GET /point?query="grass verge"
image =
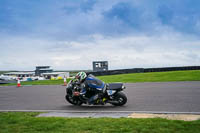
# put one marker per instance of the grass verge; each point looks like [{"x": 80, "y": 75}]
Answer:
[
  {"x": 39, "y": 82},
  {"x": 19, "y": 122},
  {"x": 193, "y": 75}
]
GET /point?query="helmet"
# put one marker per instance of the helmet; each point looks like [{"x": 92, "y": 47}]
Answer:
[{"x": 81, "y": 76}]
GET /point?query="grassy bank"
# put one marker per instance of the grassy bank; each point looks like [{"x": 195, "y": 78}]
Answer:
[
  {"x": 133, "y": 78},
  {"x": 18, "y": 122},
  {"x": 2, "y": 72},
  {"x": 44, "y": 82},
  {"x": 39, "y": 82},
  {"x": 154, "y": 77}
]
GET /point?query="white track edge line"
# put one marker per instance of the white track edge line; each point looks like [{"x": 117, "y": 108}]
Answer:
[{"x": 64, "y": 111}]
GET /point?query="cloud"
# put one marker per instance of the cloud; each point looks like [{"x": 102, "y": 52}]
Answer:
[
  {"x": 72, "y": 34},
  {"x": 68, "y": 19},
  {"x": 132, "y": 51}
]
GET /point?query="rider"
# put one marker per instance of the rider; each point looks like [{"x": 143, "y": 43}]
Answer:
[{"x": 88, "y": 83}]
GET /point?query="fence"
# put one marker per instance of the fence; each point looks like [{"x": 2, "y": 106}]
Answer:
[{"x": 143, "y": 70}]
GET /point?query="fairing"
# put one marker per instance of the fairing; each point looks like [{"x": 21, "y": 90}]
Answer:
[{"x": 93, "y": 82}]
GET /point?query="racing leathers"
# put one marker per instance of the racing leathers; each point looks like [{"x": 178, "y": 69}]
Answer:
[{"x": 93, "y": 86}]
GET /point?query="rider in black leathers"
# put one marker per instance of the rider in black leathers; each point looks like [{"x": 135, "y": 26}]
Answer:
[{"x": 88, "y": 83}]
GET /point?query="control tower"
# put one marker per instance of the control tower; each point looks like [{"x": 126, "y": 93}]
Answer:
[{"x": 100, "y": 66}]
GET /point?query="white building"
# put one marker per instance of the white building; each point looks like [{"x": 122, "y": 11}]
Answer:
[
  {"x": 56, "y": 75},
  {"x": 20, "y": 74}
]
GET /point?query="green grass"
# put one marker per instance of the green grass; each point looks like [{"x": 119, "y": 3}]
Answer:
[
  {"x": 193, "y": 75},
  {"x": 19, "y": 122},
  {"x": 39, "y": 82},
  {"x": 2, "y": 72},
  {"x": 44, "y": 82}
]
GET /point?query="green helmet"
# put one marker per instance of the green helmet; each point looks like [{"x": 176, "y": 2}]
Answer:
[{"x": 81, "y": 76}]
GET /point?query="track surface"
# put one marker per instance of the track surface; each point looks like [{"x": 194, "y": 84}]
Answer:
[{"x": 163, "y": 97}]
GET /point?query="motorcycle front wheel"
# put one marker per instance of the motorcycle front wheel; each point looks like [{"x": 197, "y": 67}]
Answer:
[
  {"x": 120, "y": 99},
  {"x": 74, "y": 101}
]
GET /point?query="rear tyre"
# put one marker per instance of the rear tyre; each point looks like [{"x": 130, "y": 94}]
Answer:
[{"x": 120, "y": 99}]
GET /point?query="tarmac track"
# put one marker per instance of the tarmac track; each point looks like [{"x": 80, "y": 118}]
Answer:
[{"x": 142, "y": 97}]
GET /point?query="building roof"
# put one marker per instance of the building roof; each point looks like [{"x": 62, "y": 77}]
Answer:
[
  {"x": 99, "y": 61},
  {"x": 42, "y": 66},
  {"x": 54, "y": 73},
  {"x": 45, "y": 69},
  {"x": 20, "y": 73}
]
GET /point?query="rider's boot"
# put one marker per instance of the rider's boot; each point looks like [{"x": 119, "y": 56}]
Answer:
[{"x": 93, "y": 99}]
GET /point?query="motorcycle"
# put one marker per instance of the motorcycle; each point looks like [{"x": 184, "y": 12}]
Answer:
[{"x": 107, "y": 93}]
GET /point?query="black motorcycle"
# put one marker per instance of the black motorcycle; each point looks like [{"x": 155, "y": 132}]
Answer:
[{"x": 107, "y": 93}]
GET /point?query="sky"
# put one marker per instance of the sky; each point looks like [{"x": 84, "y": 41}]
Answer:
[{"x": 70, "y": 34}]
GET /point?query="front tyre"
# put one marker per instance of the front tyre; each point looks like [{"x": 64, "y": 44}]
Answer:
[
  {"x": 74, "y": 101},
  {"x": 120, "y": 99}
]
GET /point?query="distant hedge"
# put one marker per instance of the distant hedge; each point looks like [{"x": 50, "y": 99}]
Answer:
[{"x": 143, "y": 70}]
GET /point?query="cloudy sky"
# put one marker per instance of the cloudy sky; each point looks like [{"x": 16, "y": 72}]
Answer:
[{"x": 70, "y": 34}]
